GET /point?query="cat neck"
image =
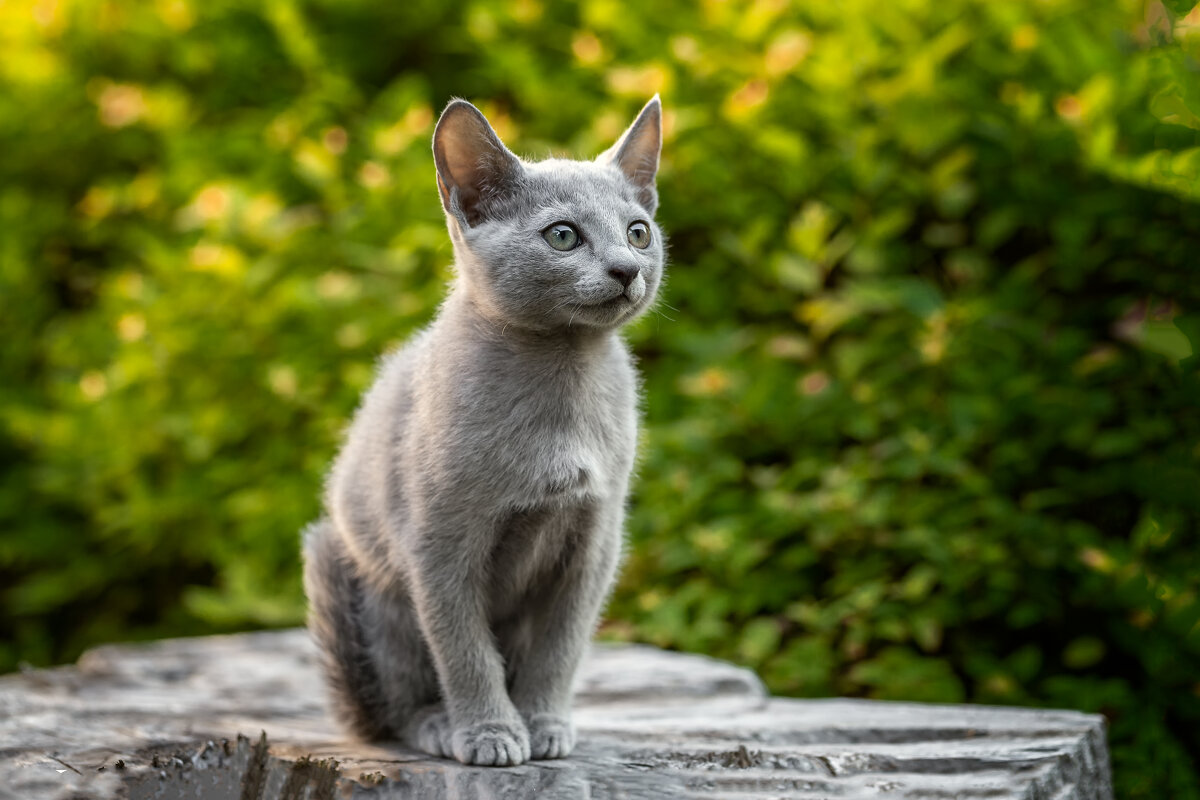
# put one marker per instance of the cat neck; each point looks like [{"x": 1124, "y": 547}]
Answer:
[{"x": 484, "y": 324}]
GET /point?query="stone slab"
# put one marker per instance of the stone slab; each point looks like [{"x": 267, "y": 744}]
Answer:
[{"x": 242, "y": 718}]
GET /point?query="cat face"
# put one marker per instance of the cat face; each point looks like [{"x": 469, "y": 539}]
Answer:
[{"x": 556, "y": 243}]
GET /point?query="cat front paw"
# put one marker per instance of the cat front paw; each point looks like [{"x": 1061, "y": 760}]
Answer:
[
  {"x": 550, "y": 736},
  {"x": 433, "y": 732},
  {"x": 495, "y": 743}
]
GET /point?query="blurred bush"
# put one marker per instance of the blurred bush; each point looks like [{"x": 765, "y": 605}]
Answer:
[{"x": 923, "y": 407}]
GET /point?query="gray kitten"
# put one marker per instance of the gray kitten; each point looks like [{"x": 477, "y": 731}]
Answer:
[{"x": 474, "y": 514}]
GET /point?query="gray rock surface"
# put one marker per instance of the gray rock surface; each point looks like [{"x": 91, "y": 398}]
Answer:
[{"x": 242, "y": 718}]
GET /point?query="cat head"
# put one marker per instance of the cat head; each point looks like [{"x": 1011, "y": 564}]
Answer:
[{"x": 556, "y": 243}]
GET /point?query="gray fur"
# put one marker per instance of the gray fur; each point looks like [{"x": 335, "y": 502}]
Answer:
[{"x": 474, "y": 516}]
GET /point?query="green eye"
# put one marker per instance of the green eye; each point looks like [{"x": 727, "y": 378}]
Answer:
[
  {"x": 639, "y": 235},
  {"x": 561, "y": 236}
]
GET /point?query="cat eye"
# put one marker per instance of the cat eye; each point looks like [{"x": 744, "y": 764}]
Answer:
[
  {"x": 561, "y": 236},
  {"x": 639, "y": 235}
]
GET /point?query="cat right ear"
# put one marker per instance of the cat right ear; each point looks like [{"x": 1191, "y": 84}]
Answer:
[{"x": 473, "y": 165}]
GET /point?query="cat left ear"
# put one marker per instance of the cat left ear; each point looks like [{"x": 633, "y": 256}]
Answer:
[
  {"x": 472, "y": 163},
  {"x": 636, "y": 153}
]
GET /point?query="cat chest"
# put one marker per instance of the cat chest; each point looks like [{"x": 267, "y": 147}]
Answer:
[
  {"x": 559, "y": 435},
  {"x": 563, "y": 464},
  {"x": 533, "y": 551}
]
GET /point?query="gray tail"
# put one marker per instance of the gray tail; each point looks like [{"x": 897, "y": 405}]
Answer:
[{"x": 335, "y": 598}]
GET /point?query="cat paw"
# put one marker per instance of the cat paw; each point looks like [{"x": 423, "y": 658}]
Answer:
[
  {"x": 550, "y": 736},
  {"x": 433, "y": 733},
  {"x": 492, "y": 744}
]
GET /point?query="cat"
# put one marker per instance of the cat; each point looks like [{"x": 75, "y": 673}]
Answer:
[{"x": 473, "y": 518}]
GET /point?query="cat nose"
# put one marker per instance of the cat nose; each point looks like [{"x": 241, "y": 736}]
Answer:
[{"x": 625, "y": 273}]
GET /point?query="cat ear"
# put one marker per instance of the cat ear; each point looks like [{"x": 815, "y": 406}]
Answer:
[
  {"x": 636, "y": 153},
  {"x": 472, "y": 163}
]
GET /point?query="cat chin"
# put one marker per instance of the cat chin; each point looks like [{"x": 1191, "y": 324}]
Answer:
[{"x": 607, "y": 316}]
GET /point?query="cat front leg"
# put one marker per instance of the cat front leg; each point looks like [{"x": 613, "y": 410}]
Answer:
[
  {"x": 477, "y": 723},
  {"x": 560, "y": 629}
]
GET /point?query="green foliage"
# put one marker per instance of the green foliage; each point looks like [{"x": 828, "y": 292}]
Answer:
[{"x": 922, "y": 411}]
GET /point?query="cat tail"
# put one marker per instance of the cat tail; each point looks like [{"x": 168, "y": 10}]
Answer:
[{"x": 335, "y": 621}]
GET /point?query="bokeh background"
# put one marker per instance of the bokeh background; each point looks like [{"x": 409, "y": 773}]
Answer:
[{"x": 922, "y": 402}]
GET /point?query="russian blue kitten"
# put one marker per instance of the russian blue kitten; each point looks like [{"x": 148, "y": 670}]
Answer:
[{"x": 474, "y": 515}]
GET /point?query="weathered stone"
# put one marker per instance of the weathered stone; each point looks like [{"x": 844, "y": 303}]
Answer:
[{"x": 242, "y": 718}]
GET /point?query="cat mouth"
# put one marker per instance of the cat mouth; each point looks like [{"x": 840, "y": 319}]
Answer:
[
  {"x": 611, "y": 303},
  {"x": 606, "y": 313}
]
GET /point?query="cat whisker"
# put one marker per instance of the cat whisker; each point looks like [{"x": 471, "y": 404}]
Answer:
[{"x": 560, "y": 305}]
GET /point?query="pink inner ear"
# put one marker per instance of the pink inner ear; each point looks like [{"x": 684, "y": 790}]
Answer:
[
  {"x": 463, "y": 157},
  {"x": 636, "y": 152},
  {"x": 462, "y": 145},
  {"x": 640, "y": 166},
  {"x": 470, "y": 158}
]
